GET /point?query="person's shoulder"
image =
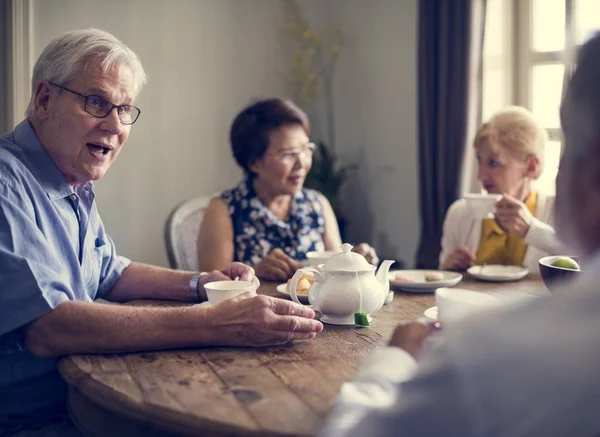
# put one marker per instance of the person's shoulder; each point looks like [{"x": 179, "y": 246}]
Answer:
[
  {"x": 235, "y": 194},
  {"x": 217, "y": 205},
  {"x": 546, "y": 198},
  {"x": 458, "y": 208},
  {"x": 313, "y": 195},
  {"x": 537, "y": 330},
  {"x": 13, "y": 170},
  {"x": 317, "y": 200},
  {"x": 9, "y": 151}
]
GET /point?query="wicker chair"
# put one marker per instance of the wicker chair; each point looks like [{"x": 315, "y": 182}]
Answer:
[{"x": 181, "y": 232}]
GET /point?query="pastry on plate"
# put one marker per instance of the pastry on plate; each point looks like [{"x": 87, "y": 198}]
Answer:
[
  {"x": 434, "y": 276},
  {"x": 403, "y": 278},
  {"x": 303, "y": 285}
]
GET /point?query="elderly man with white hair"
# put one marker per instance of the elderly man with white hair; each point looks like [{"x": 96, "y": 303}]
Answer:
[
  {"x": 528, "y": 370},
  {"x": 56, "y": 258}
]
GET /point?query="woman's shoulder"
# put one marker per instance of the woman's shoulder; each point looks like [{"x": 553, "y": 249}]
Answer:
[
  {"x": 312, "y": 195},
  {"x": 235, "y": 194},
  {"x": 546, "y": 198},
  {"x": 458, "y": 208}
]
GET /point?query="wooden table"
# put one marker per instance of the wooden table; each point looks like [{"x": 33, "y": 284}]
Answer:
[{"x": 276, "y": 391}]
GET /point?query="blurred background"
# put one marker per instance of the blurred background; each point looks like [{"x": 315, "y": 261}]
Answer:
[{"x": 206, "y": 59}]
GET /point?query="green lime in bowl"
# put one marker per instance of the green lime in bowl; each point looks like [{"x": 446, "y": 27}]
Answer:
[{"x": 558, "y": 269}]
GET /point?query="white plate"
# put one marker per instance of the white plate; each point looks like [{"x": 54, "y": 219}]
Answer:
[
  {"x": 420, "y": 285},
  {"x": 431, "y": 314},
  {"x": 498, "y": 273},
  {"x": 282, "y": 289}
]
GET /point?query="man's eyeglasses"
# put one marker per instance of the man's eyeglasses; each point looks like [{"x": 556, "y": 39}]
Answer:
[
  {"x": 100, "y": 107},
  {"x": 292, "y": 155}
]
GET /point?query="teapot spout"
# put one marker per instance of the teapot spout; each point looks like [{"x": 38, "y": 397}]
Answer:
[{"x": 382, "y": 275}]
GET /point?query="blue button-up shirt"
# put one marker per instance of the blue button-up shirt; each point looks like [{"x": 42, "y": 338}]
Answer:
[{"x": 53, "y": 249}]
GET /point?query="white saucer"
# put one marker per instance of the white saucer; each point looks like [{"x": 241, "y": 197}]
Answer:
[
  {"x": 498, "y": 273},
  {"x": 420, "y": 285},
  {"x": 282, "y": 289},
  {"x": 431, "y": 314}
]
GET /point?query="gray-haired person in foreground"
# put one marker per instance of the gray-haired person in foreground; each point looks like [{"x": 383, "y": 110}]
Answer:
[
  {"x": 528, "y": 370},
  {"x": 56, "y": 258}
]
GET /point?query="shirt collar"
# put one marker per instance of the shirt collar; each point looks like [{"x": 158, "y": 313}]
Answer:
[
  {"x": 491, "y": 228},
  {"x": 265, "y": 213},
  {"x": 52, "y": 180}
]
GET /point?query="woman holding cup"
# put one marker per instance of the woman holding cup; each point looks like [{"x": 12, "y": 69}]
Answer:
[{"x": 510, "y": 153}]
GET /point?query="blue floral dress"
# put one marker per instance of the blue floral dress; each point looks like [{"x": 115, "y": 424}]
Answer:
[{"x": 256, "y": 231}]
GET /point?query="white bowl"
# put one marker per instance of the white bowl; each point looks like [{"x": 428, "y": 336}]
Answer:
[
  {"x": 456, "y": 303},
  {"x": 481, "y": 206},
  {"x": 219, "y": 291},
  {"x": 315, "y": 258}
]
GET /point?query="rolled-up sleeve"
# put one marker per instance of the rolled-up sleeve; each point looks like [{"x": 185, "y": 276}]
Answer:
[
  {"x": 113, "y": 266},
  {"x": 32, "y": 280}
]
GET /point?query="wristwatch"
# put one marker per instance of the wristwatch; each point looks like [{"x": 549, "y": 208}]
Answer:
[{"x": 194, "y": 282}]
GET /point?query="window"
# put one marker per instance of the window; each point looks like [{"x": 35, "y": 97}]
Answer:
[{"x": 528, "y": 52}]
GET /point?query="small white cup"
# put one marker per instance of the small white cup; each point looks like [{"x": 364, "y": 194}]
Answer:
[
  {"x": 219, "y": 291},
  {"x": 481, "y": 205},
  {"x": 456, "y": 303},
  {"x": 315, "y": 258}
]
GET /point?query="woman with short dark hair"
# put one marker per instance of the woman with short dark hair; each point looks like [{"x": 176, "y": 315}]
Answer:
[{"x": 269, "y": 220}]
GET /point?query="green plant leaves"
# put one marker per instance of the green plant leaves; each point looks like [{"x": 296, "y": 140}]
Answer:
[{"x": 327, "y": 175}]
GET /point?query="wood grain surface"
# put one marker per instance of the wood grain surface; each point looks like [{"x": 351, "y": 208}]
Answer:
[{"x": 275, "y": 391}]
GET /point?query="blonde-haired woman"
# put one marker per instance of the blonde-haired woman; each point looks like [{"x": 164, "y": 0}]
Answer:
[{"x": 510, "y": 151}]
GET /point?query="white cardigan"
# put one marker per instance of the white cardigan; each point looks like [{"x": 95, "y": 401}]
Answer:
[{"x": 461, "y": 229}]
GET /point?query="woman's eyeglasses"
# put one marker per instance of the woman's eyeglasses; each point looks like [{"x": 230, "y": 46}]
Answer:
[{"x": 290, "y": 156}]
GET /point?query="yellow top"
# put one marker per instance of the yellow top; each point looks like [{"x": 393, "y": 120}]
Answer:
[{"x": 499, "y": 247}]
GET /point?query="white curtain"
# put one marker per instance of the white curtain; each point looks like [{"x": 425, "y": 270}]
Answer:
[{"x": 468, "y": 182}]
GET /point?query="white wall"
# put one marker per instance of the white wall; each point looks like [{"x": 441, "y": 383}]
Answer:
[
  {"x": 205, "y": 60},
  {"x": 376, "y": 121}
]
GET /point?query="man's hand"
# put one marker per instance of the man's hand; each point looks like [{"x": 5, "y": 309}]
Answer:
[
  {"x": 460, "y": 259},
  {"x": 368, "y": 252},
  {"x": 232, "y": 271},
  {"x": 277, "y": 266},
  {"x": 249, "y": 320},
  {"x": 412, "y": 335},
  {"x": 513, "y": 216}
]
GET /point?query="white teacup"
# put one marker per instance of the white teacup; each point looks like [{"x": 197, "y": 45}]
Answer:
[
  {"x": 481, "y": 205},
  {"x": 219, "y": 291},
  {"x": 316, "y": 258},
  {"x": 456, "y": 303}
]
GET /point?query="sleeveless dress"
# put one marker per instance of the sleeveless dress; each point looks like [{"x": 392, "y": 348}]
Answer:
[{"x": 256, "y": 231}]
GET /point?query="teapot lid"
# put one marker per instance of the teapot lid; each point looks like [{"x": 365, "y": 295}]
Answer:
[{"x": 348, "y": 261}]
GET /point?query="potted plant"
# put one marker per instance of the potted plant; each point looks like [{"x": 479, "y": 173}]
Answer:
[{"x": 327, "y": 175}]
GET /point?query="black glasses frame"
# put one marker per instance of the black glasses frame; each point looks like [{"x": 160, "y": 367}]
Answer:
[{"x": 137, "y": 110}]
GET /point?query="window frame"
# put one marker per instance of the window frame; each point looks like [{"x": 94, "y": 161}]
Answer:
[
  {"x": 526, "y": 58},
  {"x": 519, "y": 60}
]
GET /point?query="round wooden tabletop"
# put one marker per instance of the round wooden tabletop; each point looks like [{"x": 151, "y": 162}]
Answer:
[{"x": 275, "y": 391}]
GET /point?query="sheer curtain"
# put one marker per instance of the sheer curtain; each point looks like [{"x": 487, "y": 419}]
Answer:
[{"x": 449, "y": 71}]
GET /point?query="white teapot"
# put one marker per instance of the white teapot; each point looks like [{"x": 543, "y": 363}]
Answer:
[{"x": 345, "y": 285}]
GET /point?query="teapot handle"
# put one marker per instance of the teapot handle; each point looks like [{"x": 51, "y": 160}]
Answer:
[{"x": 296, "y": 278}]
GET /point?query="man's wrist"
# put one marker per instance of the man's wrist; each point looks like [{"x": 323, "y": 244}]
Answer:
[{"x": 195, "y": 286}]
